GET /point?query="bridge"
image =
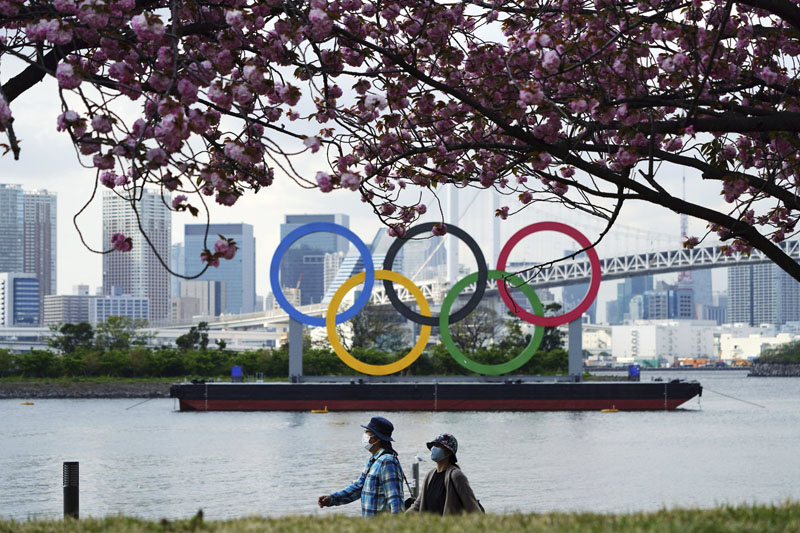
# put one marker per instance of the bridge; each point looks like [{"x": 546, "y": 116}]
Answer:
[{"x": 559, "y": 274}]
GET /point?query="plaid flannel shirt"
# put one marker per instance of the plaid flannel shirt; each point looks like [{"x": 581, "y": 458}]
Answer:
[{"x": 380, "y": 486}]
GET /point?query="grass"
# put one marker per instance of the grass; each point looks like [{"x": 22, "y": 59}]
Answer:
[{"x": 743, "y": 518}]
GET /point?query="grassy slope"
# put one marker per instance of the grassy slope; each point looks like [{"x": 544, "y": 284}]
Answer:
[{"x": 781, "y": 518}]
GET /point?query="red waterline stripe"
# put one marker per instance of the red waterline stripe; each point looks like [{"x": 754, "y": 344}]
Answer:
[{"x": 653, "y": 404}]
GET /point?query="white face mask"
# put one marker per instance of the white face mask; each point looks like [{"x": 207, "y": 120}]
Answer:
[{"x": 365, "y": 441}]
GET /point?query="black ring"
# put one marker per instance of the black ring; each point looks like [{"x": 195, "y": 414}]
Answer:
[{"x": 483, "y": 275}]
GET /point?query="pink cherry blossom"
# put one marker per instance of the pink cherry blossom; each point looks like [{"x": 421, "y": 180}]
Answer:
[
  {"x": 121, "y": 243},
  {"x": 313, "y": 143}
]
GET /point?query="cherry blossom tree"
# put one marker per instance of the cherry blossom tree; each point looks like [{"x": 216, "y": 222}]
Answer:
[{"x": 588, "y": 103}]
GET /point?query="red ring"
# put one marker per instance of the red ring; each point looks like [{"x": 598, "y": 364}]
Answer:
[{"x": 594, "y": 285}]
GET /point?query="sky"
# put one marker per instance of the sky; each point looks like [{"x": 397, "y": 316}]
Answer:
[{"x": 48, "y": 161}]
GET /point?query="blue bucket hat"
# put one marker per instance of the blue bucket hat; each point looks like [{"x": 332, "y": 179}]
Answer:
[{"x": 381, "y": 428}]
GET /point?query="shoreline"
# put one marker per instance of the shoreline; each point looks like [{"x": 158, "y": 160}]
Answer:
[{"x": 25, "y": 390}]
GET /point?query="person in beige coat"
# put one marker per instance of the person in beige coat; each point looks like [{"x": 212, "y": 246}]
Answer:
[{"x": 445, "y": 489}]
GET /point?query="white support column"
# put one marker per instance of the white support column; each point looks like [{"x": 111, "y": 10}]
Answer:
[
  {"x": 575, "y": 338},
  {"x": 295, "y": 350},
  {"x": 492, "y": 261},
  {"x": 452, "y": 242}
]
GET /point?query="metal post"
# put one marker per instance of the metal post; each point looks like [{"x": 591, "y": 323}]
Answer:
[
  {"x": 576, "y": 349},
  {"x": 415, "y": 475},
  {"x": 295, "y": 350},
  {"x": 71, "y": 490}
]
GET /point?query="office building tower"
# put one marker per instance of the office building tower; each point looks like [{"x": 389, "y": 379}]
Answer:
[
  {"x": 303, "y": 264},
  {"x": 211, "y": 295},
  {"x": 762, "y": 294},
  {"x": 19, "y": 299},
  {"x": 667, "y": 302},
  {"x": 139, "y": 272},
  {"x": 118, "y": 304},
  {"x": 12, "y": 228},
  {"x": 68, "y": 308},
  {"x": 573, "y": 295},
  {"x": 332, "y": 263},
  {"x": 238, "y": 274},
  {"x": 625, "y": 291},
  {"x": 177, "y": 263},
  {"x": 39, "y": 229}
]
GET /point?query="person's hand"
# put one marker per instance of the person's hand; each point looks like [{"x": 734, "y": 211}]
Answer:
[{"x": 324, "y": 501}]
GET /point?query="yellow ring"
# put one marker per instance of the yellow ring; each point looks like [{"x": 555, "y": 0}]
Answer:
[{"x": 360, "y": 366}]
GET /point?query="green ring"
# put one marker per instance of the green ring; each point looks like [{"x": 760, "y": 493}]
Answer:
[{"x": 466, "y": 362}]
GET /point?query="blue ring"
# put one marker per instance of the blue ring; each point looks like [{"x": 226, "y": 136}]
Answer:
[{"x": 317, "y": 227}]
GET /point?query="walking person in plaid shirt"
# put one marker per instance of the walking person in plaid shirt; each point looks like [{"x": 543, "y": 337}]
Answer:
[{"x": 380, "y": 486}]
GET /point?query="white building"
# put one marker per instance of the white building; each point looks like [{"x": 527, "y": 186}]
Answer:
[
  {"x": 139, "y": 272},
  {"x": 742, "y": 341},
  {"x": 100, "y": 308},
  {"x": 663, "y": 340}
]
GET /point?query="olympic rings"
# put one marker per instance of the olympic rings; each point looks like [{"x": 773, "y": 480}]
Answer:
[
  {"x": 424, "y": 318},
  {"x": 471, "y": 304},
  {"x": 317, "y": 227},
  {"x": 360, "y": 366},
  {"x": 591, "y": 294},
  {"x": 480, "y": 368}
]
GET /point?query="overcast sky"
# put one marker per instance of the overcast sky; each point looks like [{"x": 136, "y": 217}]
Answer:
[{"x": 48, "y": 161}]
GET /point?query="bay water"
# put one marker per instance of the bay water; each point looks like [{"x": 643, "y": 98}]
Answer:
[{"x": 736, "y": 444}]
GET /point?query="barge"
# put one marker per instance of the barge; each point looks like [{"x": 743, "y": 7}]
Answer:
[{"x": 366, "y": 395}]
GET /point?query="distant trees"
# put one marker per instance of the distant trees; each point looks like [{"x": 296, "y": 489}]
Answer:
[
  {"x": 120, "y": 332},
  {"x": 69, "y": 337},
  {"x": 783, "y": 353},
  {"x": 376, "y": 327},
  {"x": 477, "y": 329},
  {"x": 197, "y": 337}
]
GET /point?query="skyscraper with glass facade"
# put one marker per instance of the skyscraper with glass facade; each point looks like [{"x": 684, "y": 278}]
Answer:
[
  {"x": 177, "y": 263},
  {"x": 28, "y": 235},
  {"x": 762, "y": 294},
  {"x": 139, "y": 272},
  {"x": 303, "y": 264},
  {"x": 40, "y": 238},
  {"x": 19, "y": 299},
  {"x": 12, "y": 228},
  {"x": 239, "y": 273}
]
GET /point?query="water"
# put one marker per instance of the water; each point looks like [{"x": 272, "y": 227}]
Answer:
[{"x": 152, "y": 461}]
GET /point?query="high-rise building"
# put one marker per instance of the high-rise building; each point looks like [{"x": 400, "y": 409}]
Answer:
[
  {"x": 40, "y": 209},
  {"x": 66, "y": 308},
  {"x": 118, "y": 304},
  {"x": 331, "y": 265},
  {"x": 239, "y": 273},
  {"x": 177, "y": 263},
  {"x": 12, "y": 228},
  {"x": 19, "y": 299},
  {"x": 668, "y": 302},
  {"x": 39, "y": 229},
  {"x": 625, "y": 291},
  {"x": 303, "y": 264},
  {"x": 762, "y": 294},
  {"x": 211, "y": 295},
  {"x": 139, "y": 272}
]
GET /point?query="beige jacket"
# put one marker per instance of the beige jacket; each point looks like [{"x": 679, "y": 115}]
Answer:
[{"x": 460, "y": 500}]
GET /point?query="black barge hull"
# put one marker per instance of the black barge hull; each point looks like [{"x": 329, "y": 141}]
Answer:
[{"x": 430, "y": 396}]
